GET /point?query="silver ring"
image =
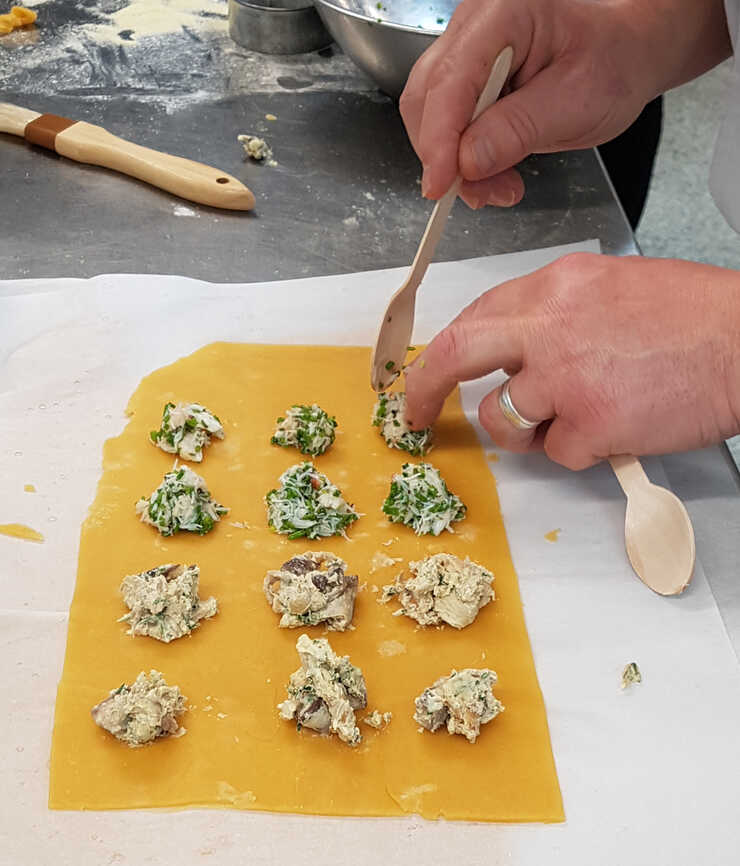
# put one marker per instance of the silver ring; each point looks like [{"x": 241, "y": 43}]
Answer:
[{"x": 510, "y": 411}]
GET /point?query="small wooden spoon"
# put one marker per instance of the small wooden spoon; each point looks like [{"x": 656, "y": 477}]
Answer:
[
  {"x": 657, "y": 530},
  {"x": 394, "y": 335}
]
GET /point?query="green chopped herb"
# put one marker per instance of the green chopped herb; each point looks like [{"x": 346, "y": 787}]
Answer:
[
  {"x": 308, "y": 505},
  {"x": 419, "y": 498},
  {"x": 390, "y": 415},
  {"x": 390, "y": 365},
  {"x": 308, "y": 428}
]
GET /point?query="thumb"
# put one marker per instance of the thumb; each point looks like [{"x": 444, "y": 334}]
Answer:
[{"x": 525, "y": 121}]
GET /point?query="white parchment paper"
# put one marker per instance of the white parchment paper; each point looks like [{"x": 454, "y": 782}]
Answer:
[{"x": 650, "y": 775}]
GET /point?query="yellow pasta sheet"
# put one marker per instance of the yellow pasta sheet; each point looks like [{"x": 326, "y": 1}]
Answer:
[{"x": 237, "y": 752}]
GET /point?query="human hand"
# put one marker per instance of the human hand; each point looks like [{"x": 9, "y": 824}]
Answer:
[
  {"x": 614, "y": 356},
  {"x": 582, "y": 72}
]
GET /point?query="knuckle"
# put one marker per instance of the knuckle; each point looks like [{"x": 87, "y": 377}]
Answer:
[
  {"x": 523, "y": 128},
  {"x": 451, "y": 344}
]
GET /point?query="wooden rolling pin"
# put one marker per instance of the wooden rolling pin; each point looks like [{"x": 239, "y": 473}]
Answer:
[{"x": 84, "y": 142}]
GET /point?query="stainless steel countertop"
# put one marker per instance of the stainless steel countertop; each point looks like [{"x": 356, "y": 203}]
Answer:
[{"x": 344, "y": 196}]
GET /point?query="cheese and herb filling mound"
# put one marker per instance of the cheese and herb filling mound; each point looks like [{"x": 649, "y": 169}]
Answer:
[
  {"x": 443, "y": 589},
  {"x": 142, "y": 712},
  {"x": 180, "y": 503},
  {"x": 307, "y": 428},
  {"x": 164, "y": 602},
  {"x": 186, "y": 430},
  {"x": 390, "y": 415},
  {"x": 462, "y": 702},
  {"x": 419, "y": 498},
  {"x": 308, "y": 505},
  {"x": 324, "y": 692},
  {"x": 312, "y": 588}
]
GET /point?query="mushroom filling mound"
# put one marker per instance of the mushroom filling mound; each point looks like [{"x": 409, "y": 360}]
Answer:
[
  {"x": 142, "y": 712},
  {"x": 180, "y": 503},
  {"x": 308, "y": 505},
  {"x": 324, "y": 692},
  {"x": 186, "y": 430},
  {"x": 310, "y": 589},
  {"x": 462, "y": 702},
  {"x": 390, "y": 416},
  {"x": 443, "y": 589},
  {"x": 419, "y": 498},
  {"x": 164, "y": 602},
  {"x": 307, "y": 428}
]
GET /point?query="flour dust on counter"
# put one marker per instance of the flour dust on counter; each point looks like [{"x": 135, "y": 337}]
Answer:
[
  {"x": 310, "y": 589},
  {"x": 142, "y": 712}
]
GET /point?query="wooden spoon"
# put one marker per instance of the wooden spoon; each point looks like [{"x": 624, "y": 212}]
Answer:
[
  {"x": 394, "y": 335},
  {"x": 657, "y": 530}
]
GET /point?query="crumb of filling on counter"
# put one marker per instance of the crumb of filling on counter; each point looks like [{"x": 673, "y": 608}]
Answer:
[
  {"x": 143, "y": 711},
  {"x": 257, "y": 148},
  {"x": 382, "y": 560},
  {"x": 182, "y": 502},
  {"x": 29, "y": 488},
  {"x": 312, "y": 588},
  {"x": 462, "y": 701},
  {"x": 631, "y": 674},
  {"x": 552, "y": 535},
  {"x": 378, "y": 720},
  {"x": 18, "y": 17},
  {"x": 443, "y": 589},
  {"x": 164, "y": 602},
  {"x": 186, "y": 430},
  {"x": 324, "y": 692}
]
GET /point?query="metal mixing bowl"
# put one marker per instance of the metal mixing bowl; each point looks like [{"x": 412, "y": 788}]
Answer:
[{"x": 385, "y": 38}]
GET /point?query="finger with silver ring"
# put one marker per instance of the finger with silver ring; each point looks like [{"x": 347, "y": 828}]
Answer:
[
  {"x": 512, "y": 421},
  {"x": 510, "y": 412}
]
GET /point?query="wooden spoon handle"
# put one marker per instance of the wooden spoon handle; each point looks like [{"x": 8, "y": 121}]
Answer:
[
  {"x": 435, "y": 226},
  {"x": 629, "y": 472}
]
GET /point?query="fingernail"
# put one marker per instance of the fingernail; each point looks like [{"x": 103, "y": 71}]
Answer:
[
  {"x": 504, "y": 197},
  {"x": 484, "y": 155},
  {"x": 425, "y": 184}
]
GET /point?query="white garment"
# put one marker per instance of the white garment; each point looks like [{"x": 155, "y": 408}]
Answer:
[{"x": 724, "y": 180}]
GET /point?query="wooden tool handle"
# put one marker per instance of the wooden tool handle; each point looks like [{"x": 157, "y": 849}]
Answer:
[
  {"x": 14, "y": 119},
  {"x": 84, "y": 142},
  {"x": 436, "y": 225},
  {"x": 90, "y": 144},
  {"x": 629, "y": 472}
]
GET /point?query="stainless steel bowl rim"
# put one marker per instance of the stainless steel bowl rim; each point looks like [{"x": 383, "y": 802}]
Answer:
[
  {"x": 380, "y": 22},
  {"x": 249, "y": 4}
]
